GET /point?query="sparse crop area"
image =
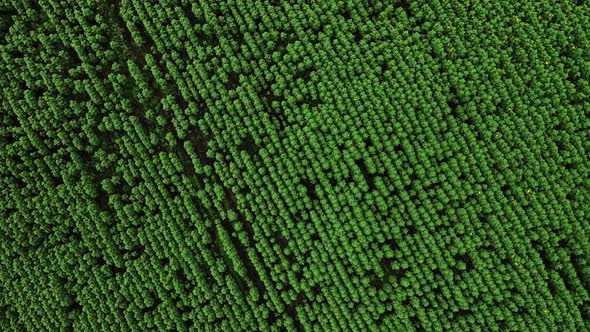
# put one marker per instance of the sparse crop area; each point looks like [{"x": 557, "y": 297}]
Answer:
[{"x": 353, "y": 165}]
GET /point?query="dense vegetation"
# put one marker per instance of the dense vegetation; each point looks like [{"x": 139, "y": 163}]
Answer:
[{"x": 279, "y": 165}]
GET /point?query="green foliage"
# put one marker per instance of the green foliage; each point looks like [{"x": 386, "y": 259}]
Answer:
[{"x": 321, "y": 165}]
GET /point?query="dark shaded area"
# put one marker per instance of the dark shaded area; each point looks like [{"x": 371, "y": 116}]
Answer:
[
  {"x": 116, "y": 269},
  {"x": 192, "y": 18},
  {"x": 417, "y": 324},
  {"x": 233, "y": 81},
  {"x": 304, "y": 74},
  {"x": 133, "y": 253},
  {"x": 280, "y": 240},
  {"x": 411, "y": 229},
  {"x": 291, "y": 311},
  {"x": 272, "y": 318},
  {"x": 462, "y": 313},
  {"x": 156, "y": 301},
  {"x": 358, "y": 36},
  {"x": 272, "y": 106},
  {"x": 369, "y": 178},
  {"x": 73, "y": 306},
  {"x": 310, "y": 188},
  {"x": 466, "y": 260},
  {"x": 249, "y": 145},
  {"x": 200, "y": 144},
  {"x": 387, "y": 313},
  {"x": 102, "y": 201}
]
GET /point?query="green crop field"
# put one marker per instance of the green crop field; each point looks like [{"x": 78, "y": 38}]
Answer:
[{"x": 331, "y": 165}]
